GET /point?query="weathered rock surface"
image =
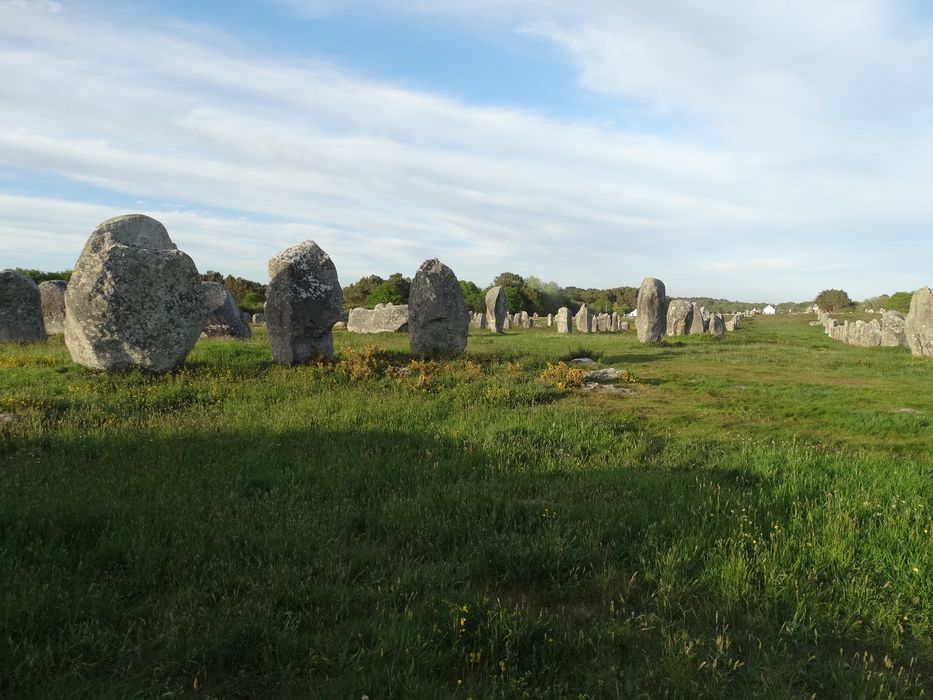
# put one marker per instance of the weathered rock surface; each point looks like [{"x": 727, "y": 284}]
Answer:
[
  {"x": 438, "y": 317},
  {"x": 717, "y": 326},
  {"x": 603, "y": 323},
  {"x": 679, "y": 317},
  {"x": 134, "y": 299},
  {"x": 919, "y": 324},
  {"x": 563, "y": 320},
  {"x": 495, "y": 309},
  {"x": 697, "y": 324},
  {"x": 385, "y": 318},
  {"x": 20, "y": 309},
  {"x": 224, "y": 318},
  {"x": 305, "y": 300},
  {"x": 865, "y": 334},
  {"x": 583, "y": 320},
  {"x": 651, "y": 320},
  {"x": 52, "y": 293},
  {"x": 893, "y": 329},
  {"x": 600, "y": 375}
]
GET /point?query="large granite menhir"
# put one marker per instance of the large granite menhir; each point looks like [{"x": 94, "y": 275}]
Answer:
[
  {"x": 304, "y": 302},
  {"x": 134, "y": 299},
  {"x": 224, "y": 318},
  {"x": 679, "y": 317},
  {"x": 438, "y": 316},
  {"x": 651, "y": 321},
  {"x": 20, "y": 309}
]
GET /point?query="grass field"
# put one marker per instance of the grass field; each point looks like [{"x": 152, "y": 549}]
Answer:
[{"x": 755, "y": 519}]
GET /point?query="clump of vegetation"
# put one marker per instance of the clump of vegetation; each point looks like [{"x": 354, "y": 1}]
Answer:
[
  {"x": 833, "y": 300},
  {"x": 363, "y": 364},
  {"x": 563, "y": 376},
  {"x": 581, "y": 351}
]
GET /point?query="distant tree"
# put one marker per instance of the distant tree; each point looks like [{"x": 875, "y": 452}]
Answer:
[
  {"x": 212, "y": 276},
  {"x": 239, "y": 286},
  {"x": 474, "y": 296},
  {"x": 38, "y": 276},
  {"x": 385, "y": 293},
  {"x": 833, "y": 300},
  {"x": 357, "y": 293},
  {"x": 252, "y": 300},
  {"x": 402, "y": 285},
  {"x": 900, "y": 301},
  {"x": 878, "y": 302},
  {"x": 550, "y": 295},
  {"x": 514, "y": 301},
  {"x": 509, "y": 279}
]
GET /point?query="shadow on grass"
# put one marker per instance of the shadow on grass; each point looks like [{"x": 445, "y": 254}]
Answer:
[{"x": 254, "y": 563}]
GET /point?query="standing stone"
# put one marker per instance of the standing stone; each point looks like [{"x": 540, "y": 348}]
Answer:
[
  {"x": 524, "y": 320},
  {"x": 52, "y": 294},
  {"x": 679, "y": 317},
  {"x": 717, "y": 326},
  {"x": 305, "y": 300},
  {"x": 507, "y": 322},
  {"x": 550, "y": 320},
  {"x": 706, "y": 316},
  {"x": 495, "y": 309},
  {"x": 893, "y": 329},
  {"x": 919, "y": 324},
  {"x": 563, "y": 320},
  {"x": 479, "y": 321},
  {"x": 134, "y": 299},
  {"x": 604, "y": 323},
  {"x": 582, "y": 321},
  {"x": 517, "y": 320},
  {"x": 623, "y": 325},
  {"x": 650, "y": 321},
  {"x": 224, "y": 318},
  {"x": 438, "y": 317},
  {"x": 697, "y": 327},
  {"x": 384, "y": 318},
  {"x": 20, "y": 309}
]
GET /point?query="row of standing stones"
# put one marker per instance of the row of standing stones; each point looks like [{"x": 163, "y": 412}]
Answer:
[
  {"x": 135, "y": 300},
  {"x": 914, "y": 331}
]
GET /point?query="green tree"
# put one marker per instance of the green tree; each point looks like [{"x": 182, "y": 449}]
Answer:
[
  {"x": 38, "y": 276},
  {"x": 212, "y": 276},
  {"x": 474, "y": 296},
  {"x": 357, "y": 293},
  {"x": 252, "y": 300},
  {"x": 514, "y": 301},
  {"x": 385, "y": 293},
  {"x": 833, "y": 300},
  {"x": 900, "y": 301},
  {"x": 509, "y": 279}
]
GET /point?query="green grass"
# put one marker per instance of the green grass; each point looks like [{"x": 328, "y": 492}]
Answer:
[{"x": 755, "y": 520}]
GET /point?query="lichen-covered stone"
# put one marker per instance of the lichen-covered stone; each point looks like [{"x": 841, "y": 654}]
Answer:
[
  {"x": 563, "y": 320},
  {"x": 134, "y": 299},
  {"x": 438, "y": 316},
  {"x": 651, "y": 320},
  {"x": 385, "y": 318},
  {"x": 20, "y": 309},
  {"x": 52, "y": 294},
  {"x": 679, "y": 317},
  {"x": 305, "y": 300},
  {"x": 919, "y": 323},
  {"x": 224, "y": 318}
]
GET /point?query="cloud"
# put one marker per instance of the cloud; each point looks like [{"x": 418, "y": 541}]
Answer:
[{"x": 241, "y": 154}]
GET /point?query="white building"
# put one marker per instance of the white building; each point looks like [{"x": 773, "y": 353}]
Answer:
[{"x": 769, "y": 310}]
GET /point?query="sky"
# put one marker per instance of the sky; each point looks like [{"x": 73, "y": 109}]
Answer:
[{"x": 742, "y": 149}]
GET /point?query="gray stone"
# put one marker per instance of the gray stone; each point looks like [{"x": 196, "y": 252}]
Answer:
[
  {"x": 524, "y": 320},
  {"x": 52, "y": 294},
  {"x": 598, "y": 388},
  {"x": 581, "y": 362},
  {"x": 893, "y": 329},
  {"x": 651, "y": 320},
  {"x": 717, "y": 326},
  {"x": 495, "y": 309},
  {"x": 339, "y": 326},
  {"x": 224, "y": 319},
  {"x": 384, "y": 318},
  {"x": 679, "y": 317},
  {"x": 563, "y": 320},
  {"x": 623, "y": 325},
  {"x": 583, "y": 320},
  {"x": 438, "y": 317},
  {"x": 919, "y": 324},
  {"x": 134, "y": 299},
  {"x": 20, "y": 309},
  {"x": 603, "y": 323},
  {"x": 865, "y": 335},
  {"x": 479, "y": 321},
  {"x": 600, "y": 375},
  {"x": 550, "y": 320},
  {"x": 697, "y": 325},
  {"x": 507, "y": 322},
  {"x": 305, "y": 300}
]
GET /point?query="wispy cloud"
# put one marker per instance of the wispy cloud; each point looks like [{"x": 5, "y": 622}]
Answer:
[{"x": 242, "y": 154}]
